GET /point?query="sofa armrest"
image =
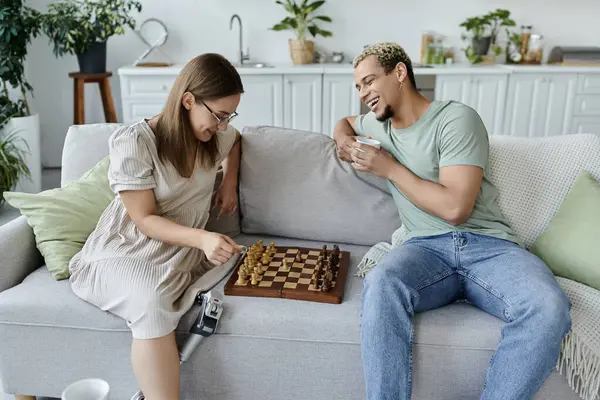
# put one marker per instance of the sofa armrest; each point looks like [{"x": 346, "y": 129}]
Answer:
[{"x": 19, "y": 255}]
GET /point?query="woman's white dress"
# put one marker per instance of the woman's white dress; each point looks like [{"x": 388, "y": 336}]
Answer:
[{"x": 119, "y": 269}]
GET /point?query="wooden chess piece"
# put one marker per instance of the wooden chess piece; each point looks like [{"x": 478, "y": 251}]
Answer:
[
  {"x": 254, "y": 279},
  {"x": 241, "y": 277},
  {"x": 329, "y": 276},
  {"x": 298, "y": 257},
  {"x": 314, "y": 280},
  {"x": 325, "y": 286}
]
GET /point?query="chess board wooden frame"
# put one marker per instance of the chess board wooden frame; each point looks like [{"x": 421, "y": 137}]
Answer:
[{"x": 333, "y": 296}]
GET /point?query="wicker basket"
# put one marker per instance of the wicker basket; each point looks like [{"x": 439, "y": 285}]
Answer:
[{"x": 302, "y": 51}]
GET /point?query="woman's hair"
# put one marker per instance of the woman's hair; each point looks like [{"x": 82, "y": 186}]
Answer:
[{"x": 208, "y": 76}]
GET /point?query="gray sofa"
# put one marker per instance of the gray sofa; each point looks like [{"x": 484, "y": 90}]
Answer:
[{"x": 293, "y": 190}]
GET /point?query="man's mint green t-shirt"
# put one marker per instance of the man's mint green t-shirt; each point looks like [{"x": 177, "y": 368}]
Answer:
[{"x": 448, "y": 133}]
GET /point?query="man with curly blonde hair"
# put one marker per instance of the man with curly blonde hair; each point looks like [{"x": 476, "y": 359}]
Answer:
[{"x": 458, "y": 244}]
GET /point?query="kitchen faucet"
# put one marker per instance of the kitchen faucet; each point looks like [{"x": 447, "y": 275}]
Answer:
[{"x": 242, "y": 57}]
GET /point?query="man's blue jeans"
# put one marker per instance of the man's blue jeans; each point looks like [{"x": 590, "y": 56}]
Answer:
[{"x": 496, "y": 276}]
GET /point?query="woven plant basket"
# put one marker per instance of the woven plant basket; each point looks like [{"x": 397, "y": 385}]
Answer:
[{"x": 302, "y": 51}]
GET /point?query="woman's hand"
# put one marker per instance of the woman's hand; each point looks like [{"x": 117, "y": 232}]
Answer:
[
  {"x": 217, "y": 247},
  {"x": 227, "y": 198}
]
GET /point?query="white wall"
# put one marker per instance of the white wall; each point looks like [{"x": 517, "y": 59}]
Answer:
[{"x": 198, "y": 26}]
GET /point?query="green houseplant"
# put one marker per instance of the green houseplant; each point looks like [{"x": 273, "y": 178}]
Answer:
[
  {"x": 498, "y": 19},
  {"x": 20, "y": 155},
  {"x": 13, "y": 165},
  {"x": 82, "y": 28},
  {"x": 482, "y": 33},
  {"x": 18, "y": 25},
  {"x": 302, "y": 22}
]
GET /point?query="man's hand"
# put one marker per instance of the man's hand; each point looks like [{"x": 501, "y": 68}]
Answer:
[
  {"x": 367, "y": 158},
  {"x": 344, "y": 148},
  {"x": 344, "y": 137}
]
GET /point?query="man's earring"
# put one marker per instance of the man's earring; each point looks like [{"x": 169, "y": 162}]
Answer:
[{"x": 401, "y": 85}]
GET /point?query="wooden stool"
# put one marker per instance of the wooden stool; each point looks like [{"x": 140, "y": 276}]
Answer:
[{"x": 80, "y": 79}]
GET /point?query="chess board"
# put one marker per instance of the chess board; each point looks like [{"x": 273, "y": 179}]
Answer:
[{"x": 295, "y": 281}]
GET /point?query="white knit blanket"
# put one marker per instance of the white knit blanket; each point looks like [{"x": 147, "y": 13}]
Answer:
[{"x": 579, "y": 359}]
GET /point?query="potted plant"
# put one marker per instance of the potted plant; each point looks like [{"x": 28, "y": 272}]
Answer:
[
  {"x": 484, "y": 34},
  {"x": 498, "y": 19},
  {"x": 13, "y": 164},
  {"x": 82, "y": 28},
  {"x": 513, "y": 47},
  {"x": 20, "y": 154},
  {"x": 302, "y": 22},
  {"x": 480, "y": 40}
]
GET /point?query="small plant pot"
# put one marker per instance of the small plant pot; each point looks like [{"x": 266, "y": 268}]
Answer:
[
  {"x": 93, "y": 61},
  {"x": 302, "y": 51},
  {"x": 481, "y": 46}
]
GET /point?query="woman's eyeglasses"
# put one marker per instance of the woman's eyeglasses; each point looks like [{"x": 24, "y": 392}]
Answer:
[{"x": 220, "y": 120}]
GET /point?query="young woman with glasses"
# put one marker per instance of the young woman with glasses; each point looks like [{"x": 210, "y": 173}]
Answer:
[{"x": 150, "y": 246}]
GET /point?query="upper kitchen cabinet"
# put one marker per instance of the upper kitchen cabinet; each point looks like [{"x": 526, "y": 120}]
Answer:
[
  {"x": 302, "y": 99},
  {"x": 485, "y": 93},
  {"x": 340, "y": 99},
  {"x": 540, "y": 104},
  {"x": 262, "y": 101}
]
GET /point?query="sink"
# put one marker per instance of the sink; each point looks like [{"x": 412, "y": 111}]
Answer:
[{"x": 254, "y": 65}]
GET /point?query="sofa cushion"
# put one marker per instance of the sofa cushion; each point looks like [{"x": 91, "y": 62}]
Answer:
[
  {"x": 94, "y": 139},
  {"x": 85, "y": 145},
  {"x": 293, "y": 184},
  {"x": 457, "y": 325},
  {"x": 63, "y": 218},
  {"x": 569, "y": 246},
  {"x": 534, "y": 176}
]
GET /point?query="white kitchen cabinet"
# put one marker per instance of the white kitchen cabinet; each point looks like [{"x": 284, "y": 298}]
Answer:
[
  {"x": 520, "y": 101},
  {"x": 585, "y": 125},
  {"x": 143, "y": 96},
  {"x": 485, "y": 93},
  {"x": 340, "y": 99},
  {"x": 540, "y": 105},
  {"x": 136, "y": 110},
  {"x": 453, "y": 87},
  {"x": 303, "y": 102},
  {"x": 262, "y": 101}
]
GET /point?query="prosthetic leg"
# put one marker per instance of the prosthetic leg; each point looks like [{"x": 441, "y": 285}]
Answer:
[{"x": 211, "y": 308}]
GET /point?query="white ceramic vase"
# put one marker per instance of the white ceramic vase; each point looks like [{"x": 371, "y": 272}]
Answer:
[{"x": 28, "y": 129}]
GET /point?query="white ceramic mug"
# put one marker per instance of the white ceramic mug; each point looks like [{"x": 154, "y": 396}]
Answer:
[
  {"x": 370, "y": 142},
  {"x": 87, "y": 389}
]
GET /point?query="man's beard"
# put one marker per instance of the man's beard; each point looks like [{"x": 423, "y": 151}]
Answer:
[{"x": 387, "y": 114}]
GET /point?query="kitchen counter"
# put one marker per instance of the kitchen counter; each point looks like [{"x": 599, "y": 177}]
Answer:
[
  {"x": 343, "y": 69},
  {"x": 526, "y": 100}
]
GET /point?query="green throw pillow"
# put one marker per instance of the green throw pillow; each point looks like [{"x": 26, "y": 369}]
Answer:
[
  {"x": 569, "y": 246},
  {"x": 62, "y": 219}
]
